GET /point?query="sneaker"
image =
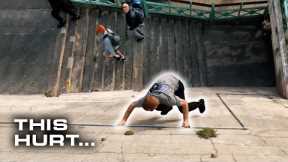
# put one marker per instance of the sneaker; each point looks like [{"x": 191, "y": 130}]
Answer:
[
  {"x": 123, "y": 58},
  {"x": 140, "y": 39},
  {"x": 201, "y": 106},
  {"x": 117, "y": 57}
]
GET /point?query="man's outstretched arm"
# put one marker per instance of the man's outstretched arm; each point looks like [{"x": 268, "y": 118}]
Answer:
[
  {"x": 127, "y": 114},
  {"x": 185, "y": 110}
]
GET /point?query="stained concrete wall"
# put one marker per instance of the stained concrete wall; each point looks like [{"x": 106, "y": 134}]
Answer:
[
  {"x": 205, "y": 54},
  {"x": 279, "y": 47},
  {"x": 27, "y": 46},
  {"x": 36, "y": 57}
]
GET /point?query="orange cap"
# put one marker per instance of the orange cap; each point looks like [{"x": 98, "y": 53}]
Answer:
[{"x": 100, "y": 29}]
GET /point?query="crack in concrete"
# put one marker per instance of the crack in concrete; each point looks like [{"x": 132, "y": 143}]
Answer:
[
  {"x": 122, "y": 158},
  {"x": 261, "y": 138},
  {"x": 233, "y": 157},
  {"x": 257, "y": 94},
  {"x": 201, "y": 159},
  {"x": 282, "y": 150},
  {"x": 214, "y": 147}
]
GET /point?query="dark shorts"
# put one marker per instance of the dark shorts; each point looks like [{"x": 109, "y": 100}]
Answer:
[{"x": 179, "y": 92}]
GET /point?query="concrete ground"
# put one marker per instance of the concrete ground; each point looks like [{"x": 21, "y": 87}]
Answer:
[{"x": 251, "y": 124}]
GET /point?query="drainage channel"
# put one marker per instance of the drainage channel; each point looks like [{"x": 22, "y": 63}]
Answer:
[
  {"x": 231, "y": 112},
  {"x": 138, "y": 126}
]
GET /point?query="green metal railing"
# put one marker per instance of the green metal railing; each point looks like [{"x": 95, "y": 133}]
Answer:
[{"x": 192, "y": 9}]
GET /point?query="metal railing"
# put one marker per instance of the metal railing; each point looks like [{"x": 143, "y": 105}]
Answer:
[{"x": 204, "y": 11}]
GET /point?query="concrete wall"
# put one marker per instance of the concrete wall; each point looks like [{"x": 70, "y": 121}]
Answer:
[
  {"x": 279, "y": 47},
  {"x": 27, "y": 46},
  {"x": 35, "y": 56},
  {"x": 223, "y": 54}
]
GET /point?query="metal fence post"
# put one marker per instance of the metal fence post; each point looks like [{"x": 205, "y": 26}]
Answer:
[
  {"x": 146, "y": 12},
  {"x": 212, "y": 12}
]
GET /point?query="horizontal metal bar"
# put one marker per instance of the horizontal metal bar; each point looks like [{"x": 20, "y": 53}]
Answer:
[
  {"x": 222, "y": 4},
  {"x": 187, "y": 11}
]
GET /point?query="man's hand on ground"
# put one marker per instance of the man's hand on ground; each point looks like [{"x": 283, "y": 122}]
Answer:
[
  {"x": 186, "y": 125},
  {"x": 185, "y": 110},
  {"x": 121, "y": 123}
]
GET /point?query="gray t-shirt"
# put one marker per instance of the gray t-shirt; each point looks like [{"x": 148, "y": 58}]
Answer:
[{"x": 165, "y": 94}]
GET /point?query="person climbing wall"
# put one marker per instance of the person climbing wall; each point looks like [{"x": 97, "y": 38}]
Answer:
[
  {"x": 134, "y": 18},
  {"x": 111, "y": 43},
  {"x": 64, "y": 6}
]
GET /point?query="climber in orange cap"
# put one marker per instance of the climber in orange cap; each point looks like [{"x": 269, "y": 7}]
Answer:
[
  {"x": 100, "y": 29},
  {"x": 111, "y": 43}
]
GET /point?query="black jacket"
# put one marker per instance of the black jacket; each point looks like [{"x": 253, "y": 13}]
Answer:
[
  {"x": 134, "y": 18},
  {"x": 59, "y": 3}
]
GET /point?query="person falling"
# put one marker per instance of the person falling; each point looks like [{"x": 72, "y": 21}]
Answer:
[
  {"x": 111, "y": 43},
  {"x": 166, "y": 92}
]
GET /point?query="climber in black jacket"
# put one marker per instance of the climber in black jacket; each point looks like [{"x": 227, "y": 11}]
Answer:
[
  {"x": 134, "y": 19},
  {"x": 65, "y": 6}
]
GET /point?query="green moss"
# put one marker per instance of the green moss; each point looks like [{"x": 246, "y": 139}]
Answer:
[
  {"x": 48, "y": 93},
  {"x": 129, "y": 133},
  {"x": 213, "y": 155},
  {"x": 206, "y": 133},
  {"x": 103, "y": 139}
]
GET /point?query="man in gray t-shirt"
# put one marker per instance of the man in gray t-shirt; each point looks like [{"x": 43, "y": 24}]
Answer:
[{"x": 166, "y": 92}]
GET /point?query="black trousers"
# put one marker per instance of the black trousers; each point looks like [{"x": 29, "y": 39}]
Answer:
[
  {"x": 180, "y": 92},
  {"x": 62, "y": 5}
]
